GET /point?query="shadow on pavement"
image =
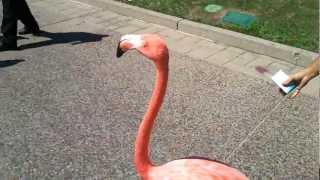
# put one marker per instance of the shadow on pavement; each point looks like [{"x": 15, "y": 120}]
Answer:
[
  {"x": 18, "y": 37},
  {"x": 21, "y": 37},
  {"x": 7, "y": 63},
  {"x": 66, "y": 37}
]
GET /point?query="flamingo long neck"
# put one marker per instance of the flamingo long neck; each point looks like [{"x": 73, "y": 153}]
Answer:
[{"x": 141, "y": 157}]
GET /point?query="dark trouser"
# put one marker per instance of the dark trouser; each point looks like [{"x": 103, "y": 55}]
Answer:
[{"x": 14, "y": 10}]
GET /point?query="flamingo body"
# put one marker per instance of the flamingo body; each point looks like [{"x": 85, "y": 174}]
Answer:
[
  {"x": 154, "y": 48},
  {"x": 193, "y": 169}
]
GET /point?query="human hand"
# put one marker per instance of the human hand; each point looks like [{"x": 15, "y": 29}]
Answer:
[{"x": 302, "y": 77}]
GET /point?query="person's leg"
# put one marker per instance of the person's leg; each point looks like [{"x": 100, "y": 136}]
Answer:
[
  {"x": 24, "y": 14},
  {"x": 9, "y": 26}
]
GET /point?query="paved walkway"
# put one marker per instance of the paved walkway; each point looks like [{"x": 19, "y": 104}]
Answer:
[{"x": 70, "y": 109}]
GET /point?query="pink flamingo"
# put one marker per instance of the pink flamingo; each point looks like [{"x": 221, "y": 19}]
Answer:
[{"x": 154, "y": 48}]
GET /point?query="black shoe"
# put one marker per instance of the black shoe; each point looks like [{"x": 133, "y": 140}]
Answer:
[
  {"x": 8, "y": 46},
  {"x": 27, "y": 30}
]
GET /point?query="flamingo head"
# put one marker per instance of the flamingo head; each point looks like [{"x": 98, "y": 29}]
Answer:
[{"x": 149, "y": 45}]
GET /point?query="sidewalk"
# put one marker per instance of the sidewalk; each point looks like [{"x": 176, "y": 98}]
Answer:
[
  {"x": 198, "y": 47},
  {"x": 70, "y": 109}
]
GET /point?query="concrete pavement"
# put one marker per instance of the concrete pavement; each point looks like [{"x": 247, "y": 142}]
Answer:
[{"x": 70, "y": 109}]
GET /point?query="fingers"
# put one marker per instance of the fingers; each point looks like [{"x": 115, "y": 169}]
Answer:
[
  {"x": 297, "y": 77},
  {"x": 295, "y": 94},
  {"x": 288, "y": 81},
  {"x": 301, "y": 78},
  {"x": 303, "y": 82}
]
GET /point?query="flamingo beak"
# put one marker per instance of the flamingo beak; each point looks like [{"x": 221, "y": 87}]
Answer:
[{"x": 120, "y": 52}]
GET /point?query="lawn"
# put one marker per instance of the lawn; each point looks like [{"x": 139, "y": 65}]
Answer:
[{"x": 291, "y": 22}]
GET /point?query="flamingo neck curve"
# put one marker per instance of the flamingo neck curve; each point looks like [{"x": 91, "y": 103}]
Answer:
[{"x": 141, "y": 156}]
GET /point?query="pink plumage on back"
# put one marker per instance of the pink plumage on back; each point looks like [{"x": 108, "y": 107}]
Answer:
[
  {"x": 154, "y": 48},
  {"x": 194, "y": 169}
]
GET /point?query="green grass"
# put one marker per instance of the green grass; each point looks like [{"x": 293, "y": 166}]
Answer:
[{"x": 291, "y": 22}]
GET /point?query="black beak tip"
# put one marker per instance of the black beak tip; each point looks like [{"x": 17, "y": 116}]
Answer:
[{"x": 119, "y": 51}]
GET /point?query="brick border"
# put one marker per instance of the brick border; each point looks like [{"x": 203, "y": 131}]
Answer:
[{"x": 296, "y": 56}]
